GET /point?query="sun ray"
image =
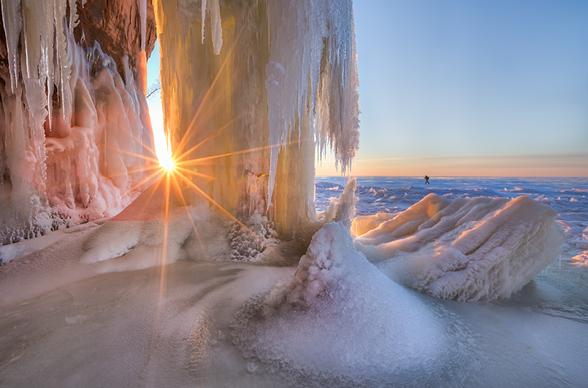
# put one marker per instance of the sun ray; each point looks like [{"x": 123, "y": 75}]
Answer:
[
  {"x": 185, "y": 203},
  {"x": 142, "y": 144},
  {"x": 232, "y": 153},
  {"x": 194, "y": 173},
  {"x": 207, "y": 138},
  {"x": 164, "y": 245},
  {"x": 212, "y": 201},
  {"x": 140, "y": 156},
  {"x": 137, "y": 170},
  {"x": 230, "y": 51},
  {"x": 143, "y": 181}
]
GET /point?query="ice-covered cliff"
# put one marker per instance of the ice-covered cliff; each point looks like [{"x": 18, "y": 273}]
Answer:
[
  {"x": 72, "y": 110},
  {"x": 251, "y": 91}
]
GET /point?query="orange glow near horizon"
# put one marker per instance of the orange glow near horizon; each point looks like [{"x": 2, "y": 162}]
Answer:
[{"x": 464, "y": 166}]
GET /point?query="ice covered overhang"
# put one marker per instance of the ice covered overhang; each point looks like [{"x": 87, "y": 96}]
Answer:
[
  {"x": 114, "y": 24},
  {"x": 73, "y": 116}
]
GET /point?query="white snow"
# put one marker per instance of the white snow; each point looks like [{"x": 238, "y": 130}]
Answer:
[
  {"x": 334, "y": 320},
  {"x": 469, "y": 249},
  {"x": 340, "y": 317}
]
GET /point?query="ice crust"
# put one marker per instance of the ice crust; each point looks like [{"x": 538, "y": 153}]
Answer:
[{"x": 468, "y": 249}]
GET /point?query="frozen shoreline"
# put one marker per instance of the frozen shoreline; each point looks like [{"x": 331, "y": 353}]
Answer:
[{"x": 64, "y": 323}]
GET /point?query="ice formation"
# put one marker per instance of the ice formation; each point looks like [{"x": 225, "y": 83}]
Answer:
[
  {"x": 468, "y": 249},
  {"x": 272, "y": 81},
  {"x": 341, "y": 318},
  {"x": 143, "y": 236},
  {"x": 69, "y": 122}
]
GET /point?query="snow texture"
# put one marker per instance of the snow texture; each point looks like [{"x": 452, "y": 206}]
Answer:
[
  {"x": 340, "y": 316},
  {"x": 468, "y": 249}
]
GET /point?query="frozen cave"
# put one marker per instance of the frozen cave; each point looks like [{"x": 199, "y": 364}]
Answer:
[{"x": 217, "y": 270}]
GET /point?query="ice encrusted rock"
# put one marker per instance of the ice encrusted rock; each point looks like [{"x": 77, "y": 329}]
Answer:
[{"x": 468, "y": 249}]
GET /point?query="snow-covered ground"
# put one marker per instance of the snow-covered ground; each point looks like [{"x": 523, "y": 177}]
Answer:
[{"x": 335, "y": 319}]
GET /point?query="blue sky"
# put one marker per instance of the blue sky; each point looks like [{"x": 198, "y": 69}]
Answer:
[
  {"x": 493, "y": 87},
  {"x": 449, "y": 80}
]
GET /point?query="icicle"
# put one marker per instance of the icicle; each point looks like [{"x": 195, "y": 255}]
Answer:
[
  {"x": 12, "y": 21},
  {"x": 217, "y": 33},
  {"x": 73, "y": 15},
  {"x": 142, "y": 60},
  {"x": 47, "y": 50},
  {"x": 62, "y": 58},
  {"x": 142, "y": 4},
  {"x": 312, "y": 52},
  {"x": 202, "y": 20},
  {"x": 79, "y": 168},
  {"x": 213, "y": 7},
  {"x": 33, "y": 35}
]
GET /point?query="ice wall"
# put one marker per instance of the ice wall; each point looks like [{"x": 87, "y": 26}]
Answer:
[
  {"x": 69, "y": 124},
  {"x": 269, "y": 82}
]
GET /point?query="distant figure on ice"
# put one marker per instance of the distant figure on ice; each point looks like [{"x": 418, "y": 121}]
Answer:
[{"x": 427, "y": 180}]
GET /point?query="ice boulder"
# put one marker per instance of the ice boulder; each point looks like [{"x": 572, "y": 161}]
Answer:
[{"x": 468, "y": 249}]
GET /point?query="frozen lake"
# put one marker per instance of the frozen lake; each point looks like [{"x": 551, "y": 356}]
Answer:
[{"x": 567, "y": 196}]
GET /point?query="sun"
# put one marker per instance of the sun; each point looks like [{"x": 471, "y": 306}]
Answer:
[
  {"x": 163, "y": 151},
  {"x": 167, "y": 162},
  {"x": 167, "y": 165}
]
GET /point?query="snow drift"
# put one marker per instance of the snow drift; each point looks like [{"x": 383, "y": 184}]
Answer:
[{"x": 468, "y": 249}]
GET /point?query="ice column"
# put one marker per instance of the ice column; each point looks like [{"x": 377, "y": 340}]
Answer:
[{"x": 278, "y": 77}]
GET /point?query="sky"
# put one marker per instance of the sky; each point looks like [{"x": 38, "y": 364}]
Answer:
[{"x": 470, "y": 88}]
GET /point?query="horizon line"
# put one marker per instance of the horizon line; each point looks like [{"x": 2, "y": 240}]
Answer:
[{"x": 457, "y": 176}]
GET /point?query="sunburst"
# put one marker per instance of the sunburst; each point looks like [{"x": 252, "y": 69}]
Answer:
[{"x": 177, "y": 169}]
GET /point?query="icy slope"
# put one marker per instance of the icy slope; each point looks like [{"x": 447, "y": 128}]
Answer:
[
  {"x": 468, "y": 249},
  {"x": 341, "y": 318}
]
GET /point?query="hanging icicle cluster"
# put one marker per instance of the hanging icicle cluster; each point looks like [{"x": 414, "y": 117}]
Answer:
[
  {"x": 274, "y": 75},
  {"x": 67, "y": 117}
]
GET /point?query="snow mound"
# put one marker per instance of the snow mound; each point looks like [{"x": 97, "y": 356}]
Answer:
[
  {"x": 143, "y": 244},
  {"x": 342, "y": 315},
  {"x": 468, "y": 249}
]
